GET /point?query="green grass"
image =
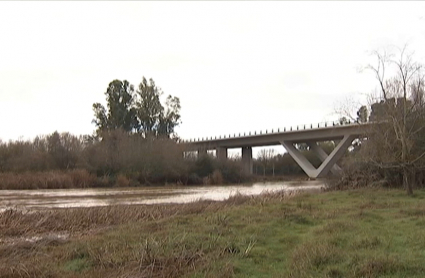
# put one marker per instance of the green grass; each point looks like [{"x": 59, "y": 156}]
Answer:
[{"x": 361, "y": 233}]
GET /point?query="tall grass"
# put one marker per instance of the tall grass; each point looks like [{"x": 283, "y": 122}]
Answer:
[{"x": 77, "y": 178}]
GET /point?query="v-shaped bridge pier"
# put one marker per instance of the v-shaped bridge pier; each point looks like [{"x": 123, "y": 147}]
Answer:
[{"x": 328, "y": 161}]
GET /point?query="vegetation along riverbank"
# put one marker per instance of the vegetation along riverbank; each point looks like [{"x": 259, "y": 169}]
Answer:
[{"x": 352, "y": 233}]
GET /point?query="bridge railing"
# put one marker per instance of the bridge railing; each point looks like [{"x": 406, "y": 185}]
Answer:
[{"x": 270, "y": 131}]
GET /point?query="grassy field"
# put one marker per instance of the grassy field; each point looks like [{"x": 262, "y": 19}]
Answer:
[{"x": 359, "y": 233}]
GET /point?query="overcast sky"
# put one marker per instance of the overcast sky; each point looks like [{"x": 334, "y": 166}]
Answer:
[{"x": 236, "y": 66}]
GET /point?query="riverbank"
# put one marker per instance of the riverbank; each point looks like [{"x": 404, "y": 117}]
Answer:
[
  {"x": 359, "y": 233},
  {"x": 81, "y": 178}
]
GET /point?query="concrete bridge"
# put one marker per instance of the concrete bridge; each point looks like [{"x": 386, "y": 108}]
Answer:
[{"x": 310, "y": 135}]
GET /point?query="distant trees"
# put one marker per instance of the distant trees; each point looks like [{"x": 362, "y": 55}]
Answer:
[
  {"x": 61, "y": 160},
  {"x": 56, "y": 151},
  {"x": 266, "y": 158},
  {"x": 139, "y": 111}
]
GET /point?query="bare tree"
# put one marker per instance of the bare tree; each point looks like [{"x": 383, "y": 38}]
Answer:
[
  {"x": 266, "y": 157},
  {"x": 345, "y": 108},
  {"x": 395, "y": 142}
]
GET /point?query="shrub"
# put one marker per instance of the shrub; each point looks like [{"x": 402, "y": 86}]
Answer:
[
  {"x": 48, "y": 180},
  {"x": 216, "y": 177},
  {"x": 122, "y": 181}
]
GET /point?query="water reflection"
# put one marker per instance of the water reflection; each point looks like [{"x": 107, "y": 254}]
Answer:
[{"x": 67, "y": 198}]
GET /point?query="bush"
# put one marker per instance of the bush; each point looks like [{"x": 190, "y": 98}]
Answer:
[
  {"x": 193, "y": 179},
  {"x": 204, "y": 166},
  {"x": 82, "y": 178},
  {"x": 232, "y": 171},
  {"x": 122, "y": 181},
  {"x": 217, "y": 177}
]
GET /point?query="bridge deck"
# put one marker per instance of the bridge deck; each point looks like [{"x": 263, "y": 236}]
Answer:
[{"x": 270, "y": 139}]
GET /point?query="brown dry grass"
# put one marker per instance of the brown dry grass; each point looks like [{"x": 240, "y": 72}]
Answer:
[
  {"x": 14, "y": 222},
  {"x": 77, "y": 178}
]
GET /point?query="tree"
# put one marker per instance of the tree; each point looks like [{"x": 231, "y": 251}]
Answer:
[
  {"x": 120, "y": 114},
  {"x": 56, "y": 150},
  {"x": 149, "y": 107},
  {"x": 63, "y": 149},
  {"x": 155, "y": 120},
  {"x": 396, "y": 141},
  {"x": 171, "y": 118},
  {"x": 266, "y": 157},
  {"x": 137, "y": 112},
  {"x": 362, "y": 114}
]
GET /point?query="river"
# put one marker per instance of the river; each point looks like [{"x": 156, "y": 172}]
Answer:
[{"x": 71, "y": 198}]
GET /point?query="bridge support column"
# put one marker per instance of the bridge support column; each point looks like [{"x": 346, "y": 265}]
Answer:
[
  {"x": 202, "y": 152},
  {"x": 327, "y": 164},
  {"x": 221, "y": 153},
  {"x": 247, "y": 160}
]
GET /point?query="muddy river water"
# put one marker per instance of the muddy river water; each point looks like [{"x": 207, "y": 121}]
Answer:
[{"x": 67, "y": 198}]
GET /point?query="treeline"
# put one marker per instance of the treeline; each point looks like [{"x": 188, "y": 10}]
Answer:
[{"x": 117, "y": 159}]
